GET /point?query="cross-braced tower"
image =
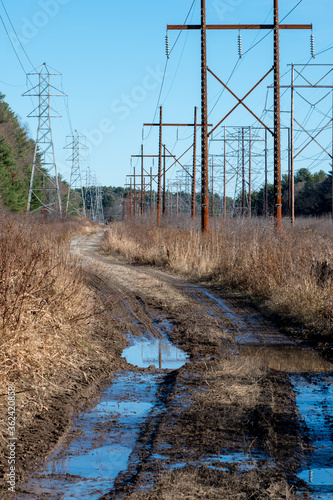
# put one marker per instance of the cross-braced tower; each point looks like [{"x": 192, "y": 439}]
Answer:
[
  {"x": 89, "y": 195},
  {"x": 75, "y": 198},
  {"x": 99, "y": 203},
  {"x": 44, "y": 190}
]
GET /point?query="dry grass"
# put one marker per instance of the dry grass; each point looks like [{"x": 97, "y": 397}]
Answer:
[
  {"x": 234, "y": 383},
  {"x": 192, "y": 484},
  {"x": 45, "y": 311},
  {"x": 292, "y": 276}
]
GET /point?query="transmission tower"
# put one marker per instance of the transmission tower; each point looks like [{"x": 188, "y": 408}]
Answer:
[
  {"x": 75, "y": 198},
  {"x": 99, "y": 203},
  {"x": 89, "y": 194},
  {"x": 44, "y": 192}
]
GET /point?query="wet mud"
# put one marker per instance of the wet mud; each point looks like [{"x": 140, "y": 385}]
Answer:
[{"x": 212, "y": 400}]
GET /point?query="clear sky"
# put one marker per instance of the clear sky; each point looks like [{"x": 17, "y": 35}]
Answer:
[{"x": 112, "y": 56}]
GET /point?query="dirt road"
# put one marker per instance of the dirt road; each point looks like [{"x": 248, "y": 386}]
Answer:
[{"x": 223, "y": 425}]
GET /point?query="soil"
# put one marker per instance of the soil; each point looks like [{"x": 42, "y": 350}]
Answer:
[{"x": 234, "y": 396}]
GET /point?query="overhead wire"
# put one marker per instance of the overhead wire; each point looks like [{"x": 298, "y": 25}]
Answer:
[
  {"x": 182, "y": 53},
  {"x": 253, "y": 46},
  {"x": 13, "y": 47},
  {"x": 17, "y": 37},
  {"x": 165, "y": 69},
  {"x": 325, "y": 50}
]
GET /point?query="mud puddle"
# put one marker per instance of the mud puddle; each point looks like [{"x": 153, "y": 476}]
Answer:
[
  {"x": 100, "y": 443},
  {"x": 242, "y": 461},
  {"x": 314, "y": 399}
]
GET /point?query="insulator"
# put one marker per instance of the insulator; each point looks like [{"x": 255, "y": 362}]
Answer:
[
  {"x": 240, "y": 51},
  {"x": 312, "y": 46},
  {"x": 167, "y": 46}
]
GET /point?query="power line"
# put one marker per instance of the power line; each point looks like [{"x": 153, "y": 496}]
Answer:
[
  {"x": 10, "y": 40},
  {"x": 179, "y": 34},
  {"x": 17, "y": 37},
  {"x": 165, "y": 68},
  {"x": 325, "y": 50}
]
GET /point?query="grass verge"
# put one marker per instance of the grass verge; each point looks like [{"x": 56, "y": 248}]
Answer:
[{"x": 48, "y": 350}]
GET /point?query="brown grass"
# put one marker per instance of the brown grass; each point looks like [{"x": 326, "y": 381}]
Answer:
[
  {"x": 291, "y": 276},
  {"x": 190, "y": 484},
  {"x": 45, "y": 311}
]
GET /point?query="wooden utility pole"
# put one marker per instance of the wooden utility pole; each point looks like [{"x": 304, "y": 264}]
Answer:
[
  {"x": 225, "y": 176},
  {"x": 292, "y": 153},
  {"x": 212, "y": 193},
  {"x": 194, "y": 164},
  {"x": 159, "y": 184},
  {"x": 164, "y": 204},
  {"x": 203, "y": 27},
  {"x": 266, "y": 176},
  {"x": 134, "y": 196},
  {"x": 204, "y": 128},
  {"x": 151, "y": 189},
  {"x": 243, "y": 174},
  {"x": 277, "y": 123},
  {"x": 142, "y": 190},
  {"x": 250, "y": 172},
  {"x": 131, "y": 200}
]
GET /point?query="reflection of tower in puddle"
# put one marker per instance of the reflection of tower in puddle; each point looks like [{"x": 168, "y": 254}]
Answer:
[{"x": 166, "y": 353}]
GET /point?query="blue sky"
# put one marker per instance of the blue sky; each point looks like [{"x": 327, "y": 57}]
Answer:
[{"x": 112, "y": 56}]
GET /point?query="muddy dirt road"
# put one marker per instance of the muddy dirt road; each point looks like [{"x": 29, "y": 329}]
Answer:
[{"x": 212, "y": 401}]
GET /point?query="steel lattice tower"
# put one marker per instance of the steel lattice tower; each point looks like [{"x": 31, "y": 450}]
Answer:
[
  {"x": 99, "y": 204},
  {"x": 44, "y": 192},
  {"x": 89, "y": 195},
  {"x": 75, "y": 198}
]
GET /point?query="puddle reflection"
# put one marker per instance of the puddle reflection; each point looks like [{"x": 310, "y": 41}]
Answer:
[{"x": 160, "y": 353}]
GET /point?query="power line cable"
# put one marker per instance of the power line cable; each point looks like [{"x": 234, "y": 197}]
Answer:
[
  {"x": 165, "y": 69},
  {"x": 10, "y": 40},
  {"x": 325, "y": 50},
  {"x": 17, "y": 37}
]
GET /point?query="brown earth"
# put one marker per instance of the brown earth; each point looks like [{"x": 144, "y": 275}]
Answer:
[{"x": 234, "y": 396}]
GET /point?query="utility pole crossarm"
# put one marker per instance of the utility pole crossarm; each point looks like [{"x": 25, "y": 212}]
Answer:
[
  {"x": 239, "y": 26},
  {"x": 175, "y": 125}
]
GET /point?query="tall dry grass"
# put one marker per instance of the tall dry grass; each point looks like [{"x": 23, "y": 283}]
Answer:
[
  {"x": 45, "y": 311},
  {"x": 291, "y": 276}
]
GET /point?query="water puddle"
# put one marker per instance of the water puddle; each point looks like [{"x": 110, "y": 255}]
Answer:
[
  {"x": 104, "y": 439},
  {"x": 244, "y": 461},
  {"x": 314, "y": 399},
  {"x": 160, "y": 353}
]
